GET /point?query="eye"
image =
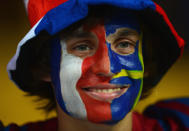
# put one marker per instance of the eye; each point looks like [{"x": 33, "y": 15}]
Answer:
[
  {"x": 81, "y": 43},
  {"x": 82, "y": 48},
  {"x": 124, "y": 47}
]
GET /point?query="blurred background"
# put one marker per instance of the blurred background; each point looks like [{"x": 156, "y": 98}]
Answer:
[{"x": 15, "y": 107}]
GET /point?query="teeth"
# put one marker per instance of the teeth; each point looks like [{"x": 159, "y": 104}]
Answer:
[
  {"x": 110, "y": 90},
  {"x": 106, "y": 90},
  {"x": 118, "y": 89}
]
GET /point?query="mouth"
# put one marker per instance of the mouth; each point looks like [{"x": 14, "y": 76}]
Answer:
[{"x": 106, "y": 92}]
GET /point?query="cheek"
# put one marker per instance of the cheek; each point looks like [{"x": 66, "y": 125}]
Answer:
[
  {"x": 128, "y": 62},
  {"x": 70, "y": 67},
  {"x": 70, "y": 73},
  {"x": 128, "y": 68}
]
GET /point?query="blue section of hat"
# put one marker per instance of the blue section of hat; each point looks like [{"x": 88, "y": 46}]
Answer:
[{"x": 72, "y": 11}]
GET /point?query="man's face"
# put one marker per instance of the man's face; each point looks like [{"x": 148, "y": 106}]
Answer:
[{"x": 97, "y": 70}]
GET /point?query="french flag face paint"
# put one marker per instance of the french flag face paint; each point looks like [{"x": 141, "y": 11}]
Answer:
[{"x": 98, "y": 70}]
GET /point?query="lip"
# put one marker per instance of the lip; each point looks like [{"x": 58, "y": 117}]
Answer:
[{"x": 105, "y": 92}]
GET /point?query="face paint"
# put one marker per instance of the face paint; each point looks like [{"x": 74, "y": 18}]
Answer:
[{"x": 105, "y": 83}]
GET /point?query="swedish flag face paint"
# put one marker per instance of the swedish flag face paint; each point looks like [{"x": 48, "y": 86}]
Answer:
[
  {"x": 98, "y": 74},
  {"x": 126, "y": 61}
]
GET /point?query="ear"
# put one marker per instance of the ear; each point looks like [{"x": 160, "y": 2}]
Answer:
[
  {"x": 47, "y": 78},
  {"x": 146, "y": 74}
]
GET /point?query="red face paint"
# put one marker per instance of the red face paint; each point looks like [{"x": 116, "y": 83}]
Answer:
[
  {"x": 90, "y": 88},
  {"x": 96, "y": 71}
]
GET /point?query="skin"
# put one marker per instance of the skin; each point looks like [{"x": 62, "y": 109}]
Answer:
[
  {"x": 67, "y": 123},
  {"x": 88, "y": 82}
]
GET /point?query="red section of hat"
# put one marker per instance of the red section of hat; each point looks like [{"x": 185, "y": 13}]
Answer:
[
  {"x": 38, "y": 8},
  {"x": 180, "y": 41}
]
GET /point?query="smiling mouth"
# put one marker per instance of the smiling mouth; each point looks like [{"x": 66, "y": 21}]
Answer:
[{"x": 105, "y": 93}]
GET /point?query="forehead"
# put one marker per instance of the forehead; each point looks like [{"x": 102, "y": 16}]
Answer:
[
  {"x": 110, "y": 22},
  {"x": 127, "y": 19},
  {"x": 118, "y": 20}
]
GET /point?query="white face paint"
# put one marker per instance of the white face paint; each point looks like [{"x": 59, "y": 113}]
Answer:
[
  {"x": 70, "y": 72},
  {"x": 87, "y": 71}
]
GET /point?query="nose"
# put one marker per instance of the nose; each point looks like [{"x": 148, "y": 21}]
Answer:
[
  {"x": 115, "y": 66},
  {"x": 101, "y": 66}
]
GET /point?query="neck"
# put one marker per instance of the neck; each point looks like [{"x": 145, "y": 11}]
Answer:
[{"x": 68, "y": 123}]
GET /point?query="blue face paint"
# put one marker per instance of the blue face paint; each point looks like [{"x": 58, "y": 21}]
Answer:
[
  {"x": 128, "y": 19},
  {"x": 132, "y": 64},
  {"x": 127, "y": 69},
  {"x": 55, "y": 69}
]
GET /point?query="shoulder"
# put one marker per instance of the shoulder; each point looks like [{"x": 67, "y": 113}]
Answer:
[
  {"x": 144, "y": 123},
  {"x": 167, "y": 115},
  {"x": 48, "y": 125}
]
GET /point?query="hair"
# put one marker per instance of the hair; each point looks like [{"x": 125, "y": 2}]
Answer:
[{"x": 39, "y": 68}]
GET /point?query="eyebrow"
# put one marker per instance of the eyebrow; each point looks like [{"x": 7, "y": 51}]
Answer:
[
  {"x": 126, "y": 32},
  {"x": 122, "y": 32},
  {"x": 79, "y": 34}
]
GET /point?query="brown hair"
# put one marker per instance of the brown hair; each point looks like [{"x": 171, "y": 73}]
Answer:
[{"x": 38, "y": 49}]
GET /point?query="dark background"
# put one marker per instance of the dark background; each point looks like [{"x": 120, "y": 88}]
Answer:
[
  {"x": 15, "y": 107},
  {"x": 178, "y": 12}
]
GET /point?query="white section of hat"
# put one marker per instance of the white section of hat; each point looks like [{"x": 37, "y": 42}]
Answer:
[
  {"x": 26, "y": 4},
  {"x": 12, "y": 63}
]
